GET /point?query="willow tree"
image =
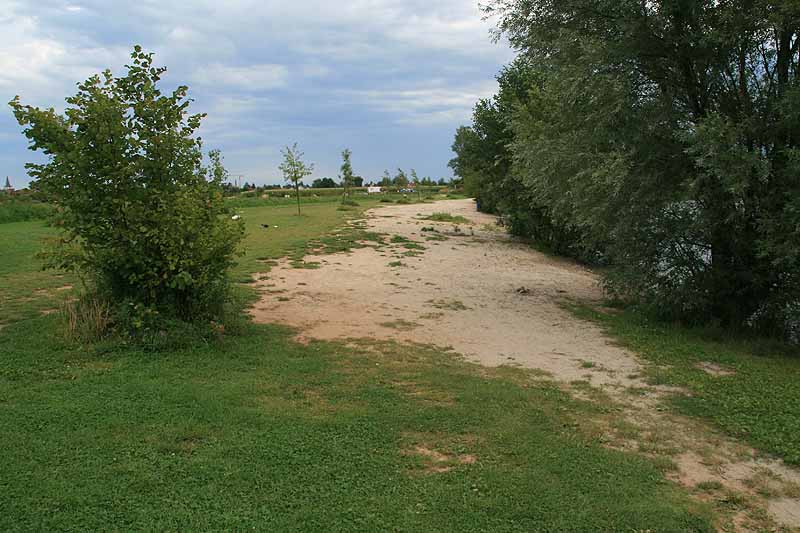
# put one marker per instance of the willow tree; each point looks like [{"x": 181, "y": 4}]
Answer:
[{"x": 665, "y": 136}]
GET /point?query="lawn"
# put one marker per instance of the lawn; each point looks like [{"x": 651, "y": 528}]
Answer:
[
  {"x": 256, "y": 431},
  {"x": 25, "y": 290}
]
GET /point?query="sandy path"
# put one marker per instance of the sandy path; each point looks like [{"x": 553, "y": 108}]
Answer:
[
  {"x": 464, "y": 293},
  {"x": 445, "y": 296}
]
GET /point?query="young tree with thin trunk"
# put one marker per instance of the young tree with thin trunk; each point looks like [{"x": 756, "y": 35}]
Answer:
[
  {"x": 386, "y": 181},
  {"x": 347, "y": 174},
  {"x": 294, "y": 169},
  {"x": 415, "y": 182}
]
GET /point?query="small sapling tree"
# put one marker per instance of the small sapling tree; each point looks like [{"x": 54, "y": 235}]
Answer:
[
  {"x": 142, "y": 217},
  {"x": 347, "y": 175},
  {"x": 415, "y": 182},
  {"x": 294, "y": 169}
]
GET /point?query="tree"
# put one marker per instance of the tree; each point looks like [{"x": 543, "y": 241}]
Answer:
[
  {"x": 664, "y": 144},
  {"x": 346, "y": 176},
  {"x": 141, "y": 218},
  {"x": 416, "y": 184},
  {"x": 386, "y": 181},
  {"x": 358, "y": 181},
  {"x": 294, "y": 169},
  {"x": 400, "y": 180},
  {"x": 323, "y": 183}
]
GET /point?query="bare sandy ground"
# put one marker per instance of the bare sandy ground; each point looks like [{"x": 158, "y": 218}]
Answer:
[
  {"x": 462, "y": 293},
  {"x": 499, "y": 302}
]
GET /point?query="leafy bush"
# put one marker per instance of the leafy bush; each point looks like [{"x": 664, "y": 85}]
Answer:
[
  {"x": 143, "y": 219},
  {"x": 20, "y": 210}
]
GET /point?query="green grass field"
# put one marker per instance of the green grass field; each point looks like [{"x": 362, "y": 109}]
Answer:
[{"x": 256, "y": 431}]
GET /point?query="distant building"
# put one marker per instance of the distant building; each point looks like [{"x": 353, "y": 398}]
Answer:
[
  {"x": 7, "y": 188},
  {"x": 373, "y": 190}
]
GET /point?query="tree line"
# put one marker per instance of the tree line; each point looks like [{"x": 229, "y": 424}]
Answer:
[
  {"x": 659, "y": 139},
  {"x": 400, "y": 180}
]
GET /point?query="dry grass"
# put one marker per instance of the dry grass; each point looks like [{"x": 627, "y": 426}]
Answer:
[{"x": 87, "y": 319}]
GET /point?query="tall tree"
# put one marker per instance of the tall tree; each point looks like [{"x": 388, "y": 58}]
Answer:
[{"x": 294, "y": 169}]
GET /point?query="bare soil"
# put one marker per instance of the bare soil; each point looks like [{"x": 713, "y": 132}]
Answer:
[{"x": 497, "y": 301}]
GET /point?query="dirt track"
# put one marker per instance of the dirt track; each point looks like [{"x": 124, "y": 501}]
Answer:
[
  {"x": 499, "y": 302},
  {"x": 491, "y": 299}
]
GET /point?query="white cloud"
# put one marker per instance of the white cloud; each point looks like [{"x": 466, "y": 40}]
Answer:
[
  {"x": 270, "y": 71},
  {"x": 252, "y": 77},
  {"x": 428, "y": 105}
]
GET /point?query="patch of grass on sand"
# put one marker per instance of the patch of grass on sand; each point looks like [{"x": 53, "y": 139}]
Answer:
[
  {"x": 451, "y": 305},
  {"x": 447, "y": 217},
  {"x": 400, "y": 324}
]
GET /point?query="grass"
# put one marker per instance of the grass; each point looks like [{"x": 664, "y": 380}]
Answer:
[
  {"x": 756, "y": 398},
  {"x": 257, "y": 431},
  {"x": 254, "y": 430},
  {"x": 287, "y": 234},
  {"x": 25, "y": 290}
]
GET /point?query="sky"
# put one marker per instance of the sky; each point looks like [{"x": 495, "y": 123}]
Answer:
[{"x": 389, "y": 79}]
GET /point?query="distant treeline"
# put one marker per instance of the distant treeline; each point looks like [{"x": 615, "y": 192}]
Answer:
[
  {"x": 660, "y": 139},
  {"x": 252, "y": 198},
  {"x": 401, "y": 180}
]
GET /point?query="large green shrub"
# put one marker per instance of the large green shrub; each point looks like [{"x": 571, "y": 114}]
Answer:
[{"x": 142, "y": 216}]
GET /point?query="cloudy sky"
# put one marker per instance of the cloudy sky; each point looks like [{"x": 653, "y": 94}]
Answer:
[{"x": 389, "y": 79}]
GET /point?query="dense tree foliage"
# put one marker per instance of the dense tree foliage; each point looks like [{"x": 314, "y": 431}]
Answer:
[
  {"x": 658, "y": 137},
  {"x": 401, "y": 179},
  {"x": 323, "y": 183},
  {"x": 142, "y": 217}
]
